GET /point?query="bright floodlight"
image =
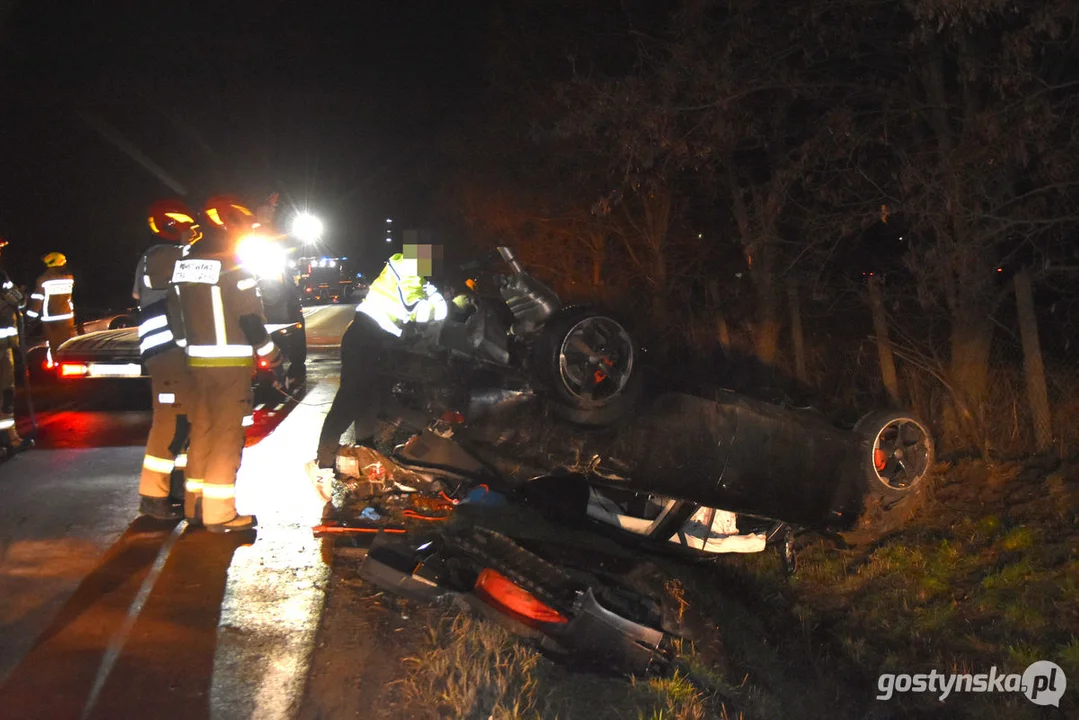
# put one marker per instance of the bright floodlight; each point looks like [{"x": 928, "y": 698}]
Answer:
[
  {"x": 261, "y": 256},
  {"x": 307, "y": 227}
]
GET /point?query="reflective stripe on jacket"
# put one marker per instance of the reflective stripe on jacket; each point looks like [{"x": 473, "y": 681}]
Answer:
[
  {"x": 152, "y": 277},
  {"x": 218, "y": 313},
  {"x": 51, "y": 299},
  {"x": 10, "y": 299}
]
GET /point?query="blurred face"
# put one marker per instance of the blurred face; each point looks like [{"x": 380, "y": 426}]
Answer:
[{"x": 423, "y": 260}]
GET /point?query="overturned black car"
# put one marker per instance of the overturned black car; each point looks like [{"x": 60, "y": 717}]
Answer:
[
  {"x": 545, "y": 431},
  {"x": 554, "y": 390}
]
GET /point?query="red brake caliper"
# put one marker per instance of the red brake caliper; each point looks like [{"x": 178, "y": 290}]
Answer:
[{"x": 599, "y": 376}]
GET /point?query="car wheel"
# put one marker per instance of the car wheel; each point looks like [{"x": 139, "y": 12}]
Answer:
[
  {"x": 121, "y": 321},
  {"x": 589, "y": 364},
  {"x": 898, "y": 453}
]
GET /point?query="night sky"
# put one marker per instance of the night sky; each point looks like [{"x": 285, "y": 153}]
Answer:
[{"x": 342, "y": 106}]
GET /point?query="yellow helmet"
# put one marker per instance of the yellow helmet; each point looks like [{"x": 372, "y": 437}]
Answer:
[{"x": 54, "y": 259}]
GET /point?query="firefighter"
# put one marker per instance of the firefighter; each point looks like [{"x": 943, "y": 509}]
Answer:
[
  {"x": 51, "y": 302},
  {"x": 166, "y": 363},
  {"x": 11, "y": 300},
  {"x": 398, "y": 296},
  {"x": 218, "y": 319}
]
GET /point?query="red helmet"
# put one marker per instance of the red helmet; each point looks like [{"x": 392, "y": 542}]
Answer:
[
  {"x": 228, "y": 213},
  {"x": 171, "y": 219}
]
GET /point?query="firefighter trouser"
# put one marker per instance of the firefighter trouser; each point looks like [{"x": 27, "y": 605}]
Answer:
[
  {"x": 219, "y": 411},
  {"x": 7, "y": 391},
  {"x": 57, "y": 332},
  {"x": 362, "y": 394},
  {"x": 7, "y": 365},
  {"x": 171, "y": 386}
]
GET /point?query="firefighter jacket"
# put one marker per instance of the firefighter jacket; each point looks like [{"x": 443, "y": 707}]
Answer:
[
  {"x": 399, "y": 296},
  {"x": 217, "y": 313},
  {"x": 10, "y": 302},
  {"x": 51, "y": 299},
  {"x": 152, "y": 277}
]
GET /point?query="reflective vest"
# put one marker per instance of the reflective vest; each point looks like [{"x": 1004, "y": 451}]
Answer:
[
  {"x": 152, "y": 277},
  {"x": 10, "y": 300},
  {"x": 217, "y": 313},
  {"x": 51, "y": 300},
  {"x": 397, "y": 297}
]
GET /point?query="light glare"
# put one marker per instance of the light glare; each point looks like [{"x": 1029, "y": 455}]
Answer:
[
  {"x": 261, "y": 255},
  {"x": 307, "y": 227}
]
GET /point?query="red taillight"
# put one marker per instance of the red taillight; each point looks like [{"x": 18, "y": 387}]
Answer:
[
  {"x": 48, "y": 365},
  {"x": 496, "y": 589},
  {"x": 453, "y": 417},
  {"x": 264, "y": 363},
  {"x": 73, "y": 369}
]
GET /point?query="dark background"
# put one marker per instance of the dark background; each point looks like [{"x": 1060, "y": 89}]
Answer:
[{"x": 340, "y": 106}]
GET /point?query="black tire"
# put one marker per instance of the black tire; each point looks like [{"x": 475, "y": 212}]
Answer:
[
  {"x": 121, "y": 321},
  {"x": 565, "y": 362},
  {"x": 897, "y": 453}
]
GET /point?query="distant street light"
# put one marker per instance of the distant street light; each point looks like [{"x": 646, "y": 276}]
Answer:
[{"x": 307, "y": 228}]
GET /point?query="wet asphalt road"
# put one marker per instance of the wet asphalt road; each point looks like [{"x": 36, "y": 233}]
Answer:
[{"x": 103, "y": 615}]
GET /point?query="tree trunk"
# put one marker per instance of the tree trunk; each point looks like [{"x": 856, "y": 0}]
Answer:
[
  {"x": 657, "y": 206},
  {"x": 971, "y": 342},
  {"x": 598, "y": 256},
  {"x": 1032, "y": 363},
  {"x": 766, "y": 332},
  {"x": 797, "y": 338},
  {"x": 722, "y": 330},
  {"x": 723, "y": 334},
  {"x": 888, "y": 374}
]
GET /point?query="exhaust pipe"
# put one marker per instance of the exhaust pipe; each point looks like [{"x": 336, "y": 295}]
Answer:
[{"x": 510, "y": 259}]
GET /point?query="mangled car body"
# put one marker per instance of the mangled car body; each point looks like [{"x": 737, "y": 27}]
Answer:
[
  {"x": 548, "y": 389},
  {"x": 543, "y": 412}
]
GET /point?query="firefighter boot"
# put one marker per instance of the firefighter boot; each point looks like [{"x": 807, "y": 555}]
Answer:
[
  {"x": 193, "y": 509},
  {"x": 160, "y": 508},
  {"x": 9, "y": 436},
  {"x": 236, "y": 524}
]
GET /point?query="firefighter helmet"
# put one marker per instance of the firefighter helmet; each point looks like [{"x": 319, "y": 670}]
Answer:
[
  {"x": 228, "y": 213},
  {"x": 54, "y": 259},
  {"x": 171, "y": 219}
]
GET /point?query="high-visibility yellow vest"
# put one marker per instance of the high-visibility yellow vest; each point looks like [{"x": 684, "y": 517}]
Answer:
[{"x": 397, "y": 297}]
